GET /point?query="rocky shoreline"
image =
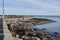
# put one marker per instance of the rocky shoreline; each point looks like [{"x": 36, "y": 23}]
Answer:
[{"x": 22, "y": 30}]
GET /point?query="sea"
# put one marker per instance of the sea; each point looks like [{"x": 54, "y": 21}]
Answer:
[{"x": 51, "y": 27}]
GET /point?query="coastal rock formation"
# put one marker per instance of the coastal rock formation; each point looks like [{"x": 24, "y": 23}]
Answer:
[{"x": 22, "y": 29}]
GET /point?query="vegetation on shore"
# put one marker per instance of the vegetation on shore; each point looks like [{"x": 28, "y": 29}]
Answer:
[{"x": 39, "y": 21}]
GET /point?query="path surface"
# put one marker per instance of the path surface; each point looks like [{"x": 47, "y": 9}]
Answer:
[
  {"x": 6, "y": 32},
  {"x": 1, "y": 29}
]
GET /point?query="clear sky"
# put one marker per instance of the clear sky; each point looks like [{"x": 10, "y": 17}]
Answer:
[{"x": 31, "y": 7}]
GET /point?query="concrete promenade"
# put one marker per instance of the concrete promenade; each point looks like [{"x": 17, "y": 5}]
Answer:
[{"x": 6, "y": 32}]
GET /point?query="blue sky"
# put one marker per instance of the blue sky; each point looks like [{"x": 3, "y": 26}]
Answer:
[{"x": 31, "y": 7}]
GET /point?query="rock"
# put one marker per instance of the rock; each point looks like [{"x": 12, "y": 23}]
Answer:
[
  {"x": 35, "y": 38},
  {"x": 26, "y": 38}
]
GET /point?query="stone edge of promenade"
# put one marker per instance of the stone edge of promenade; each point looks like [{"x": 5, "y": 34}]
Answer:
[{"x": 6, "y": 32}]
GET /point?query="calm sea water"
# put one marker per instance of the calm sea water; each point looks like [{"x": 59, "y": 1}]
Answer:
[{"x": 51, "y": 27}]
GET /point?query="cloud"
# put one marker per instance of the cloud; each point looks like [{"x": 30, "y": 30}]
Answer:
[
  {"x": 32, "y": 7},
  {"x": 29, "y": 12},
  {"x": 38, "y": 4}
]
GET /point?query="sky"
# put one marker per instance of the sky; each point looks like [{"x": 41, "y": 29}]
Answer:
[{"x": 31, "y": 7}]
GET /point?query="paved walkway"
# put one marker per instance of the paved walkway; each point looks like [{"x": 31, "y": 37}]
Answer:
[
  {"x": 1, "y": 29},
  {"x": 6, "y": 32}
]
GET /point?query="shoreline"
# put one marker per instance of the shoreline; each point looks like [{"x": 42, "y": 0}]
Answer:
[{"x": 23, "y": 26}]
